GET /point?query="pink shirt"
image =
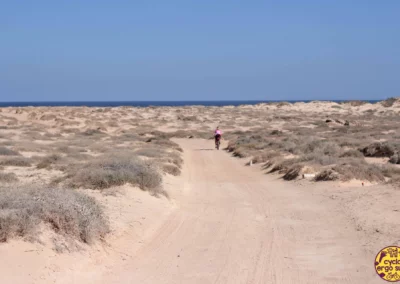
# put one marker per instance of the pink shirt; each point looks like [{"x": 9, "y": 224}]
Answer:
[{"x": 218, "y": 132}]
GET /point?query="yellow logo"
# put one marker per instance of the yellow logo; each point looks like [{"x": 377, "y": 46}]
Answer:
[{"x": 387, "y": 264}]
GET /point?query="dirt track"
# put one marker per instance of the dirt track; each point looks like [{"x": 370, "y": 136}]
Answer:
[
  {"x": 225, "y": 223},
  {"x": 234, "y": 225}
]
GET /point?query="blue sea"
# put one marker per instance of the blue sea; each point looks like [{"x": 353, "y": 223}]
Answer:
[{"x": 145, "y": 103}]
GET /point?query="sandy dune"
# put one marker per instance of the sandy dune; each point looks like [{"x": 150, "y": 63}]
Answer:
[{"x": 225, "y": 223}]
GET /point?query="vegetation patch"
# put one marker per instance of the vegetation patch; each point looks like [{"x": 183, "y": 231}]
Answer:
[
  {"x": 65, "y": 211},
  {"x": 116, "y": 169}
]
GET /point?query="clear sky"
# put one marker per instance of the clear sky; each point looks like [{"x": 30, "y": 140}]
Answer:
[{"x": 199, "y": 50}]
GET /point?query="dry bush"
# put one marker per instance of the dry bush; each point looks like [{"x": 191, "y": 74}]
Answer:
[
  {"x": 150, "y": 152},
  {"x": 25, "y": 146},
  {"x": 171, "y": 169},
  {"x": 128, "y": 137},
  {"x": 352, "y": 153},
  {"x": 390, "y": 171},
  {"x": 190, "y": 133},
  {"x": 359, "y": 170},
  {"x": 395, "y": 159},
  {"x": 319, "y": 147},
  {"x": 379, "y": 149},
  {"x": 282, "y": 104},
  {"x": 282, "y": 165},
  {"x": 264, "y": 157},
  {"x": 247, "y": 144},
  {"x": 8, "y": 177},
  {"x": 8, "y": 152},
  {"x": 66, "y": 211},
  {"x": 187, "y": 118},
  {"x": 48, "y": 161},
  {"x": 48, "y": 117},
  {"x": 319, "y": 159},
  {"x": 388, "y": 102},
  {"x": 78, "y": 156},
  {"x": 16, "y": 162},
  {"x": 91, "y": 132},
  {"x": 293, "y": 172},
  {"x": 67, "y": 149},
  {"x": 355, "y": 103},
  {"x": 100, "y": 147},
  {"x": 276, "y": 132},
  {"x": 165, "y": 144},
  {"x": 116, "y": 169},
  {"x": 348, "y": 142},
  {"x": 34, "y": 135},
  {"x": 327, "y": 175}
]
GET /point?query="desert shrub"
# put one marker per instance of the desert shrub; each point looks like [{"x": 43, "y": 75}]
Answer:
[
  {"x": 395, "y": 159},
  {"x": 390, "y": 171},
  {"x": 293, "y": 172},
  {"x": 326, "y": 175},
  {"x": 395, "y": 181},
  {"x": 116, "y": 169},
  {"x": 379, "y": 149},
  {"x": 67, "y": 212},
  {"x": 310, "y": 145},
  {"x": 175, "y": 159},
  {"x": 171, "y": 159},
  {"x": 282, "y": 104},
  {"x": 165, "y": 144},
  {"x": 16, "y": 162},
  {"x": 7, "y": 152},
  {"x": 150, "y": 152},
  {"x": 356, "y": 103},
  {"x": 388, "y": 102},
  {"x": 66, "y": 149},
  {"x": 289, "y": 146},
  {"x": 322, "y": 147},
  {"x": 276, "y": 132},
  {"x": 358, "y": 169},
  {"x": 369, "y": 111},
  {"x": 348, "y": 142},
  {"x": 187, "y": 118},
  {"x": 171, "y": 169},
  {"x": 8, "y": 177},
  {"x": 48, "y": 117},
  {"x": 79, "y": 156},
  {"x": 241, "y": 153},
  {"x": 47, "y": 161},
  {"x": 91, "y": 132},
  {"x": 192, "y": 134},
  {"x": 352, "y": 153},
  {"x": 319, "y": 159},
  {"x": 128, "y": 137},
  {"x": 282, "y": 165},
  {"x": 264, "y": 157}
]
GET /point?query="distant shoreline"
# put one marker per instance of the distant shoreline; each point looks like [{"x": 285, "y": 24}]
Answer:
[{"x": 163, "y": 103}]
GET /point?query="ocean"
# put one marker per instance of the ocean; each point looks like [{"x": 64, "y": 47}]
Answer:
[{"x": 147, "y": 103}]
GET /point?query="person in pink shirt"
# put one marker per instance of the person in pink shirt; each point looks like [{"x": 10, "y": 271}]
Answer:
[{"x": 217, "y": 136}]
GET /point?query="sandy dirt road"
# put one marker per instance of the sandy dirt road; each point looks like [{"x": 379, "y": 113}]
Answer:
[
  {"x": 225, "y": 223},
  {"x": 234, "y": 225}
]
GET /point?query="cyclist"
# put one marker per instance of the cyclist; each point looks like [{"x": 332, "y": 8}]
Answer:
[{"x": 217, "y": 137}]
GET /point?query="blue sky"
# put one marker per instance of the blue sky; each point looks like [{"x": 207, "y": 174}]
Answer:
[{"x": 199, "y": 50}]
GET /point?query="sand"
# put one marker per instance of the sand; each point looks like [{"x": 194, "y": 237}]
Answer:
[{"x": 225, "y": 223}]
